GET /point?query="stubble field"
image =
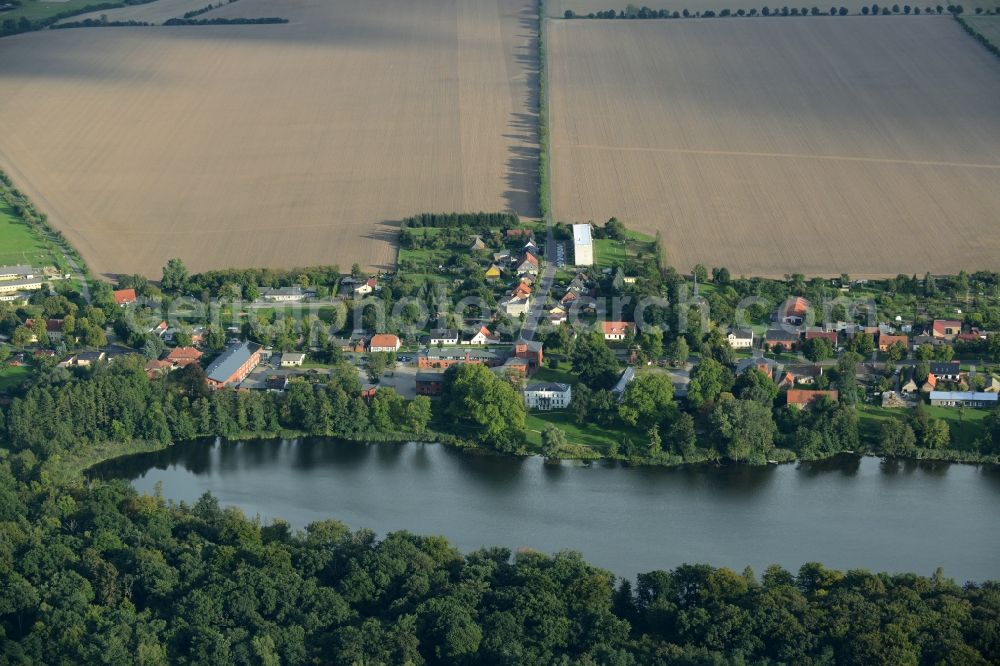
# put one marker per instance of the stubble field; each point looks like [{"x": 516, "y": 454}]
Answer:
[
  {"x": 557, "y": 8},
  {"x": 771, "y": 147},
  {"x": 272, "y": 145}
]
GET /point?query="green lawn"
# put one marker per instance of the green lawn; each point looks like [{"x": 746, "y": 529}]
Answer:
[
  {"x": 561, "y": 374},
  {"x": 19, "y": 244},
  {"x": 11, "y": 376},
  {"x": 590, "y": 435},
  {"x": 987, "y": 26},
  {"x": 965, "y": 424},
  {"x": 608, "y": 252}
]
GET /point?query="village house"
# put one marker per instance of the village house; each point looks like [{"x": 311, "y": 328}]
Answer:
[
  {"x": 384, "y": 342},
  {"x": 548, "y": 395},
  {"x": 557, "y": 315},
  {"x": 292, "y": 360},
  {"x": 356, "y": 344},
  {"x": 829, "y": 336},
  {"x": 181, "y": 357},
  {"x": 477, "y": 244},
  {"x": 930, "y": 384},
  {"x": 949, "y": 372},
  {"x": 286, "y": 294},
  {"x": 887, "y": 340},
  {"x": 963, "y": 399},
  {"x": 493, "y": 272},
  {"x": 803, "y": 375},
  {"x": 946, "y": 329},
  {"x": 794, "y": 311},
  {"x": 156, "y": 368},
  {"x": 921, "y": 340},
  {"x": 617, "y": 330},
  {"x": 740, "y": 338},
  {"x": 233, "y": 365},
  {"x": 125, "y": 297},
  {"x": 803, "y": 398},
  {"x": 443, "y": 336},
  {"x": 515, "y": 306},
  {"x": 528, "y": 264},
  {"x": 519, "y": 233},
  {"x": 83, "y": 359},
  {"x": 765, "y": 365},
  {"x": 777, "y": 338},
  {"x": 482, "y": 337},
  {"x": 502, "y": 257},
  {"x": 367, "y": 287},
  {"x": 429, "y": 382},
  {"x": 53, "y": 329}
]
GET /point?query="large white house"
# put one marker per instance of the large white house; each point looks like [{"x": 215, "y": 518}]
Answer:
[
  {"x": 549, "y": 395},
  {"x": 443, "y": 336},
  {"x": 583, "y": 245},
  {"x": 740, "y": 338}
]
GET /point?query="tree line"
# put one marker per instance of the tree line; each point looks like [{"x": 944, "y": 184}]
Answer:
[
  {"x": 502, "y": 221},
  {"x": 226, "y": 21},
  {"x": 633, "y": 12},
  {"x": 67, "y": 412}
]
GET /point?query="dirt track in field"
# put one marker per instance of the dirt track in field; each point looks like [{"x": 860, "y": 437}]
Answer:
[
  {"x": 771, "y": 147},
  {"x": 272, "y": 145}
]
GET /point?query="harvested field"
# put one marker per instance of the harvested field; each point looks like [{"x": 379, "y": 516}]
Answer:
[
  {"x": 557, "y": 8},
  {"x": 272, "y": 145},
  {"x": 771, "y": 147},
  {"x": 151, "y": 12}
]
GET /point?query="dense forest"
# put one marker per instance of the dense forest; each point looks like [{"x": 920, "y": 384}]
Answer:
[{"x": 103, "y": 575}]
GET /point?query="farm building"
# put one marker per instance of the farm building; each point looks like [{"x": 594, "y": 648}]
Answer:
[
  {"x": 21, "y": 284},
  {"x": 286, "y": 294},
  {"x": 125, "y": 297},
  {"x": 963, "y": 399},
  {"x": 22, "y": 272},
  {"x": 233, "y": 365},
  {"x": 583, "y": 245}
]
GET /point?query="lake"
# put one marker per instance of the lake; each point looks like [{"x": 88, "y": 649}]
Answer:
[{"x": 847, "y": 513}]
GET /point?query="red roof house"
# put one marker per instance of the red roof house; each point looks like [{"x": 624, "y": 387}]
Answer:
[
  {"x": 802, "y": 398},
  {"x": 946, "y": 329},
  {"x": 125, "y": 297},
  {"x": 384, "y": 342},
  {"x": 182, "y": 357},
  {"x": 616, "y": 330}
]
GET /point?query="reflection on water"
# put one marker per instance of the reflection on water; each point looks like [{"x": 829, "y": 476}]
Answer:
[{"x": 847, "y": 512}]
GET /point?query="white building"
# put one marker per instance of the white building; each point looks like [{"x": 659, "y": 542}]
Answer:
[
  {"x": 963, "y": 399},
  {"x": 286, "y": 294},
  {"x": 583, "y": 245},
  {"x": 292, "y": 360},
  {"x": 444, "y": 336},
  {"x": 517, "y": 305},
  {"x": 740, "y": 339},
  {"x": 548, "y": 396},
  {"x": 482, "y": 337}
]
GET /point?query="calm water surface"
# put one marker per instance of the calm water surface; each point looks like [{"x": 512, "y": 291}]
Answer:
[{"x": 846, "y": 513}]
